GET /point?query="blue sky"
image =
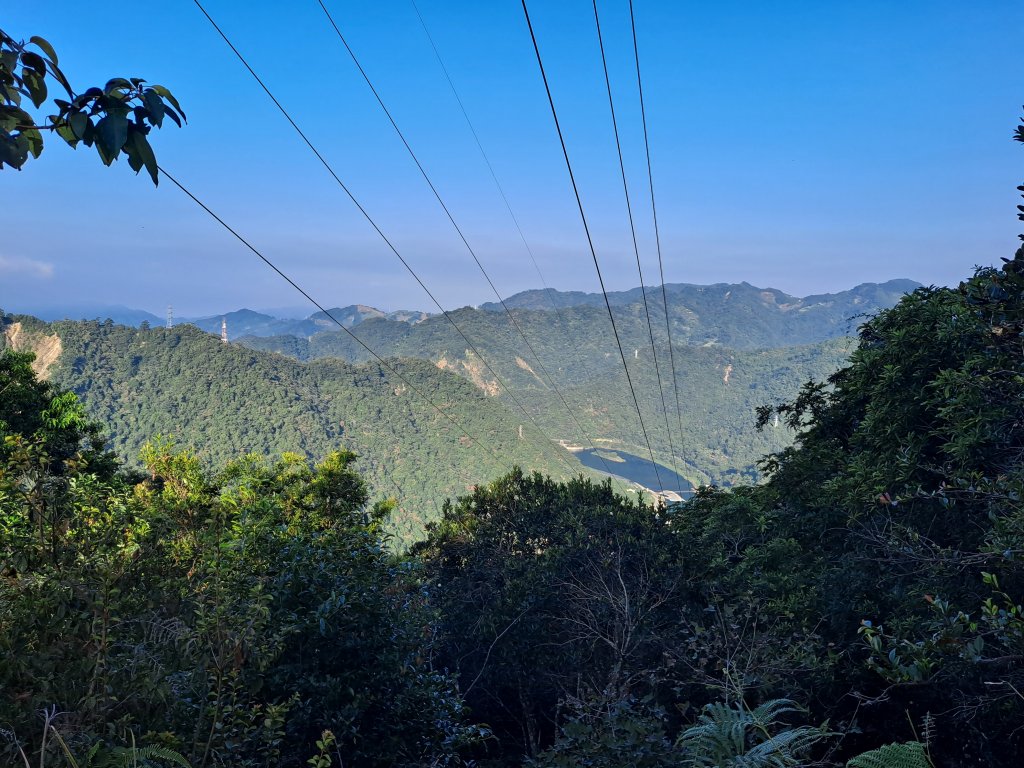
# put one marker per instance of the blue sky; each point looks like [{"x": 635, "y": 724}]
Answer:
[{"x": 806, "y": 146}]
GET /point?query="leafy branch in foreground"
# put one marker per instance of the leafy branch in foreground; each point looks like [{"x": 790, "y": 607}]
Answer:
[{"x": 115, "y": 119}]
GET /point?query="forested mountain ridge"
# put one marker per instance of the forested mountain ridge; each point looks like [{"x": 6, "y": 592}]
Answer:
[
  {"x": 225, "y": 401},
  {"x": 735, "y": 347},
  {"x": 183, "y": 382},
  {"x": 737, "y": 315},
  {"x": 719, "y": 387},
  {"x": 246, "y": 322}
]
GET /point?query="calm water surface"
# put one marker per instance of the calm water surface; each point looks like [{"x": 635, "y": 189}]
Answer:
[{"x": 637, "y": 470}]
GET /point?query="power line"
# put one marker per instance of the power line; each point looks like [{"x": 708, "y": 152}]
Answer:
[
  {"x": 632, "y": 229},
  {"x": 380, "y": 360},
  {"x": 458, "y": 229},
  {"x": 480, "y": 146},
  {"x": 515, "y": 220},
  {"x": 657, "y": 234},
  {"x": 366, "y": 215},
  {"x": 590, "y": 241}
]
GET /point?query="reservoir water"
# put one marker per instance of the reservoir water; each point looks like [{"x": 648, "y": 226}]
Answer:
[{"x": 635, "y": 469}]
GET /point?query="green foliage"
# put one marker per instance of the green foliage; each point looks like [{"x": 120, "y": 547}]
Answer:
[
  {"x": 230, "y": 401},
  {"x": 622, "y": 732},
  {"x": 727, "y": 736},
  {"x": 116, "y": 119},
  {"x": 550, "y": 590},
  {"x": 909, "y": 755},
  {"x": 229, "y": 618}
]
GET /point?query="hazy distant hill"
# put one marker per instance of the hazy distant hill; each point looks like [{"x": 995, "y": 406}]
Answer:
[
  {"x": 225, "y": 401},
  {"x": 119, "y": 314},
  {"x": 246, "y": 322},
  {"x": 720, "y": 387},
  {"x": 737, "y": 315},
  {"x": 242, "y": 322},
  {"x": 735, "y": 347}
]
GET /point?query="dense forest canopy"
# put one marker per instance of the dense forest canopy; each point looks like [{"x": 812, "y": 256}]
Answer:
[
  {"x": 226, "y": 401},
  {"x": 862, "y": 606},
  {"x": 865, "y": 597},
  {"x": 864, "y": 600}
]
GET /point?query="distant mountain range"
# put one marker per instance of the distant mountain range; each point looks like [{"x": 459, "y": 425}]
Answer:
[
  {"x": 246, "y": 322},
  {"x": 117, "y": 313},
  {"x": 735, "y": 347},
  {"x": 223, "y": 402},
  {"x": 737, "y": 315},
  {"x": 241, "y": 322}
]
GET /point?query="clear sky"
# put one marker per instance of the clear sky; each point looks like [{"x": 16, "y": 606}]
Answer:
[{"x": 807, "y": 146}]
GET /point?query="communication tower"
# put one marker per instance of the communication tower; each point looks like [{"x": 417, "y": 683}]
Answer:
[
  {"x": 170, "y": 316},
  {"x": 223, "y": 330}
]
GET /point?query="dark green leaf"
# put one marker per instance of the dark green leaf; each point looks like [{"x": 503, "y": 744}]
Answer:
[
  {"x": 64, "y": 131},
  {"x": 105, "y": 156},
  {"x": 168, "y": 96},
  {"x": 116, "y": 83},
  {"x": 45, "y": 47},
  {"x": 36, "y": 86},
  {"x": 112, "y": 133},
  {"x": 35, "y": 141},
  {"x": 9, "y": 153},
  {"x": 79, "y": 123},
  {"x": 173, "y": 115},
  {"x": 11, "y": 117},
  {"x": 21, "y": 149},
  {"x": 155, "y": 105},
  {"x": 34, "y": 61},
  {"x": 134, "y": 158},
  {"x": 60, "y": 78},
  {"x": 141, "y": 149}
]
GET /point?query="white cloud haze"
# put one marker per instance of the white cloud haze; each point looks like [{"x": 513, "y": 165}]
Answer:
[{"x": 14, "y": 266}]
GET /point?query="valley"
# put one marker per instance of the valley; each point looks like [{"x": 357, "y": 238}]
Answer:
[{"x": 314, "y": 389}]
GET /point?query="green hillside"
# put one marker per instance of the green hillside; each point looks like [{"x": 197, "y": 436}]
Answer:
[
  {"x": 737, "y": 315},
  {"x": 225, "y": 401},
  {"x": 719, "y": 388}
]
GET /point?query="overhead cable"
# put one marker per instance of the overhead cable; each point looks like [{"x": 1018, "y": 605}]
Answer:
[
  {"x": 590, "y": 242},
  {"x": 458, "y": 229},
  {"x": 548, "y": 443},
  {"x": 632, "y": 230},
  {"x": 657, "y": 233}
]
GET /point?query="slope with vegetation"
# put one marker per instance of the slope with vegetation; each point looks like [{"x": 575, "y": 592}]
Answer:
[
  {"x": 719, "y": 387},
  {"x": 861, "y": 607},
  {"x": 875, "y": 577},
  {"x": 228, "y": 401}
]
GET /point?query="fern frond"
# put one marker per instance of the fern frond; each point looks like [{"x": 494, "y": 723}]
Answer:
[
  {"x": 928, "y": 729},
  {"x": 722, "y": 733},
  {"x": 768, "y": 713},
  {"x": 792, "y": 743},
  {"x": 130, "y": 757},
  {"x": 162, "y": 753},
  {"x": 909, "y": 755}
]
